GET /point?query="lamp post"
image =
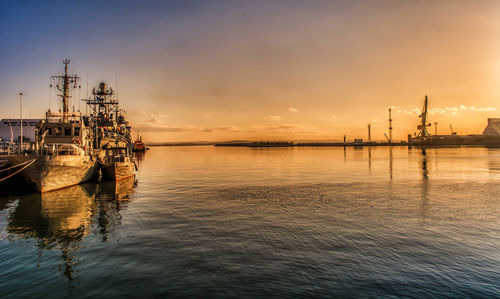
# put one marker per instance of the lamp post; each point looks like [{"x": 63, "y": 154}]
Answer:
[{"x": 21, "y": 112}]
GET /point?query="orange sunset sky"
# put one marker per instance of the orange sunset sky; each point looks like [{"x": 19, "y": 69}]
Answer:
[{"x": 278, "y": 70}]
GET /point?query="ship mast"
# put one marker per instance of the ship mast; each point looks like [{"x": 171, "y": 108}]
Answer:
[{"x": 66, "y": 81}]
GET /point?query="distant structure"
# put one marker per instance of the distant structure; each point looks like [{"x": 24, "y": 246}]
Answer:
[
  {"x": 423, "y": 134},
  {"x": 10, "y": 128},
  {"x": 390, "y": 126},
  {"x": 369, "y": 133},
  {"x": 451, "y": 130},
  {"x": 493, "y": 127},
  {"x": 489, "y": 138}
]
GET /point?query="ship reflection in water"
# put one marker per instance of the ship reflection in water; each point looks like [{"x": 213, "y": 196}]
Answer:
[
  {"x": 59, "y": 220},
  {"x": 264, "y": 222}
]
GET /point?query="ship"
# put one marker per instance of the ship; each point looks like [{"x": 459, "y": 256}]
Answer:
[
  {"x": 63, "y": 154},
  {"x": 106, "y": 118},
  {"x": 112, "y": 141},
  {"x": 117, "y": 163},
  {"x": 139, "y": 146}
]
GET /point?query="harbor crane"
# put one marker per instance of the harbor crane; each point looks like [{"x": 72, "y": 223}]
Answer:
[
  {"x": 452, "y": 132},
  {"x": 424, "y": 134}
]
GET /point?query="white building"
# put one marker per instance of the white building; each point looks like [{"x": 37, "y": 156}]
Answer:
[{"x": 10, "y": 129}]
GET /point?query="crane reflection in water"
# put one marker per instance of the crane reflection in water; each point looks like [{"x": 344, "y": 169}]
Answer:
[{"x": 61, "y": 219}]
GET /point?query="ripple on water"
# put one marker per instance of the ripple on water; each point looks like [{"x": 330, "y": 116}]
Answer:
[{"x": 239, "y": 223}]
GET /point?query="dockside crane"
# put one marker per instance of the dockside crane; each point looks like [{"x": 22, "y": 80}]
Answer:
[
  {"x": 424, "y": 134},
  {"x": 451, "y": 131}
]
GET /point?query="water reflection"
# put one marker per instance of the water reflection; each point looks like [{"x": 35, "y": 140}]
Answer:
[
  {"x": 112, "y": 196},
  {"x": 139, "y": 157},
  {"x": 493, "y": 161},
  {"x": 425, "y": 171},
  {"x": 424, "y": 207},
  {"x": 61, "y": 219},
  {"x": 369, "y": 160},
  {"x": 390, "y": 163}
]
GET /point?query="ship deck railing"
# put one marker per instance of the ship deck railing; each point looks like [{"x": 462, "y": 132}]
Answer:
[{"x": 56, "y": 149}]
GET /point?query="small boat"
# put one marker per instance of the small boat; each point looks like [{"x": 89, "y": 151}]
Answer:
[
  {"x": 139, "y": 146},
  {"x": 117, "y": 164}
]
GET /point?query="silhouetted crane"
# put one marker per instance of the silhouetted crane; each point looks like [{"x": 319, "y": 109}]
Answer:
[
  {"x": 452, "y": 132},
  {"x": 423, "y": 125}
]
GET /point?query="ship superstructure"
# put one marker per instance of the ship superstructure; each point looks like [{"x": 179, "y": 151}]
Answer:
[
  {"x": 112, "y": 140},
  {"x": 106, "y": 119}
]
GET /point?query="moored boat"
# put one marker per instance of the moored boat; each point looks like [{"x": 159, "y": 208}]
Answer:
[
  {"x": 117, "y": 163},
  {"x": 63, "y": 145},
  {"x": 139, "y": 146}
]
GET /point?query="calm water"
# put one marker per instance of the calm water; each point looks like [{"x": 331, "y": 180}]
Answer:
[{"x": 281, "y": 222}]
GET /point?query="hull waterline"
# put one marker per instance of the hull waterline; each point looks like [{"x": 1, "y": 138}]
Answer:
[
  {"x": 118, "y": 170},
  {"x": 50, "y": 173}
]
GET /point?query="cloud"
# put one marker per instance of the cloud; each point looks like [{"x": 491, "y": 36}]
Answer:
[
  {"x": 483, "y": 109},
  {"x": 462, "y": 108},
  {"x": 333, "y": 116},
  {"x": 453, "y": 111},
  {"x": 154, "y": 121},
  {"x": 158, "y": 128},
  {"x": 292, "y": 109},
  {"x": 284, "y": 127},
  {"x": 273, "y": 117}
]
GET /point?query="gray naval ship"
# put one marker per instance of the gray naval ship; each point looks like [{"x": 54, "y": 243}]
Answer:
[
  {"x": 63, "y": 153},
  {"x": 112, "y": 135}
]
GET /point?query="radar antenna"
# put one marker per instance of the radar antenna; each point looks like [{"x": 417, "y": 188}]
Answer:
[{"x": 64, "y": 84}]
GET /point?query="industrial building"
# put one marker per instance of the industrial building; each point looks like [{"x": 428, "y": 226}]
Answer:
[
  {"x": 10, "y": 129},
  {"x": 490, "y": 136}
]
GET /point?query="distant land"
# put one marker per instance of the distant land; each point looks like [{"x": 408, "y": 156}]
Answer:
[
  {"x": 190, "y": 143},
  {"x": 229, "y": 142}
]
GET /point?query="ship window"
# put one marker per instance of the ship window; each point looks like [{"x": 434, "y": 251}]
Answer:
[
  {"x": 57, "y": 130},
  {"x": 67, "y": 131},
  {"x": 77, "y": 131}
]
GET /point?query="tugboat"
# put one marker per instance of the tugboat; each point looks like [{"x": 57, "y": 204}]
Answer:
[
  {"x": 63, "y": 154},
  {"x": 112, "y": 142},
  {"x": 139, "y": 146}
]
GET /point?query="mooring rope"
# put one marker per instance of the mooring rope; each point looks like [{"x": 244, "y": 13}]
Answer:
[
  {"x": 13, "y": 174},
  {"x": 2, "y": 170}
]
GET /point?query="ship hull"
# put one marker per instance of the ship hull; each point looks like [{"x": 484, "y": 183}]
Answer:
[
  {"x": 50, "y": 173},
  {"x": 118, "y": 170}
]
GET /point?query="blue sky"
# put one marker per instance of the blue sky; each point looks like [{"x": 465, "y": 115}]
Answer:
[{"x": 211, "y": 70}]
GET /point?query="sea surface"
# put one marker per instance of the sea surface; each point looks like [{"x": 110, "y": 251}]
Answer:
[{"x": 264, "y": 222}]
